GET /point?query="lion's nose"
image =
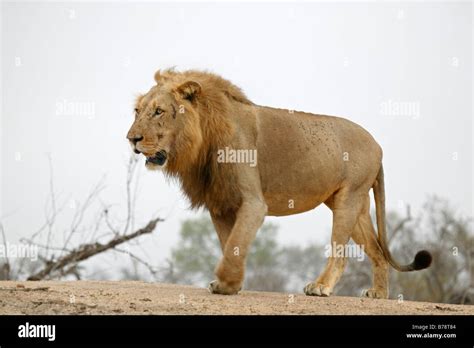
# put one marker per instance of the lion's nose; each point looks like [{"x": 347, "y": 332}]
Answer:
[{"x": 135, "y": 138}]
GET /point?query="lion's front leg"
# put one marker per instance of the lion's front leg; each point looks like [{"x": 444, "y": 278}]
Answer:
[
  {"x": 223, "y": 225},
  {"x": 231, "y": 268}
]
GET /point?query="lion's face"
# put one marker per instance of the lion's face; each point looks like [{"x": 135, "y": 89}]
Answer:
[{"x": 166, "y": 123}]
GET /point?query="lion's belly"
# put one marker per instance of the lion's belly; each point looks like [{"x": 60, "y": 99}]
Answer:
[
  {"x": 295, "y": 186},
  {"x": 281, "y": 206},
  {"x": 296, "y": 192},
  {"x": 300, "y": 162}
]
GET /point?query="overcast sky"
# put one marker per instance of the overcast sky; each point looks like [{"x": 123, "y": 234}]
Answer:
[{"x": 70, "y": 73}]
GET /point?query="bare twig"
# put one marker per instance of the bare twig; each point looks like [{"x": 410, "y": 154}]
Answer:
[
  {"x": 106, "y": 215},
  {"x": 401, "y": 224},
  {"x": 53, "y": 200},
  {"x": 135, "y": 194},
  {"x": 150, "y": 268},
  {"x": 6, "y": 266},
  {"x": 132, "y": 165},
  {"x": 86, "y": 251},
  {"x": 44, "y": 246},
  {"x": 79, "y": 216}
]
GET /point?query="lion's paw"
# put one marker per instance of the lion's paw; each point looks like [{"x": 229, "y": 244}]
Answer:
[
  {"x": 217, "y": 287},
  {"x": 374, "y": 293},
  {"x": 317, "y": 289}
]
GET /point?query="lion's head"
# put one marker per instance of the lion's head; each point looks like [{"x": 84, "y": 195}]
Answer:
[
  {"x": 167, "y": 123},
  {"x": 183, "y": 118}
]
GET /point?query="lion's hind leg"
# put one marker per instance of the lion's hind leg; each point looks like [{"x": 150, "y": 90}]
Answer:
[
  {"x": 346, "y": 206},
  {"x": 364, "y": 235}
]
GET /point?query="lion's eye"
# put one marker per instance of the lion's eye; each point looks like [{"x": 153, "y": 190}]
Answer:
[
  {"x": 136, "y": 111},
  {"x": 158, "y": 112}
]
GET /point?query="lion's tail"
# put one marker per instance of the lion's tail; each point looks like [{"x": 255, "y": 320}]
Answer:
[{"x": 422, "y": 259}]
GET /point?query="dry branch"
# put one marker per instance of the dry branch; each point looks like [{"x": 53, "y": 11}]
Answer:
[{"x": 86, "y": 251}]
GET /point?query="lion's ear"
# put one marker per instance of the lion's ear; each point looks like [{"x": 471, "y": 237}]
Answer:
[
  {"x": 157, "y": 76},
  {"x": 189, "y": 90}
]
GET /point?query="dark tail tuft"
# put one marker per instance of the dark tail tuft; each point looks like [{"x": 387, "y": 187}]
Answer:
[{"x": 423, "y": 260}]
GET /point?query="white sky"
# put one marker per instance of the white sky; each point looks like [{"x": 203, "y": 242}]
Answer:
[{"x": 348, "y": 59}]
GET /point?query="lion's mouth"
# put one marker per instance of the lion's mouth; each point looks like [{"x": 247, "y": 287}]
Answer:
[{"x": 159, "y": 159}]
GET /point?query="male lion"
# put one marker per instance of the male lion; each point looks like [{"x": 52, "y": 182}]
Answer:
[{"x": 188, "y": 118}]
